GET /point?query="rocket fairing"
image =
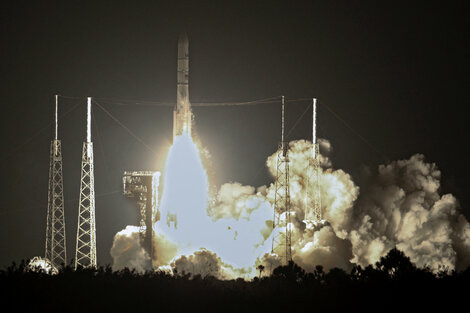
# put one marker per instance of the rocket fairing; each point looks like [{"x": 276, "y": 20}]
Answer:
[{"x": 182, "y": 115}]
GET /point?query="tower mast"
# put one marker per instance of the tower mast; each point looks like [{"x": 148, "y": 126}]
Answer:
[
  {"x": 55, "y": 229},
  {"x": 313, "y": 212},
  {"x": 282, "y": 233},
  {"x": 85, "y": 252}
]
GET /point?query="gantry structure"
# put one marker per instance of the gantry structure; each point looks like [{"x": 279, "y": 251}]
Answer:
[
  {"x": 142, "y": 186},
  {"x": 282, "y": 226},
  {"x": 85, "y": 251},
  {"x": 313, "y": 212},
  {"x": 56, "y": 252}
]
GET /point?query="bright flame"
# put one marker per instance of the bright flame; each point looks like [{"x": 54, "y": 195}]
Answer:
[
  {"x": 185, "y": 220},
  {"x": 185, "y": 196}
]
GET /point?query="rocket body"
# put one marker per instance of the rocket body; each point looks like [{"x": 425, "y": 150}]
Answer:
[{"x": 182, "y": 115}]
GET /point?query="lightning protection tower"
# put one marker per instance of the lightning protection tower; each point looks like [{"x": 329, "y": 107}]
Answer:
[
  {"x": 313, "y": 212},
  {"x": 85, "y": 252},
  {"x": 55, "y": 230},
  {"x": 282, "y": 232}
]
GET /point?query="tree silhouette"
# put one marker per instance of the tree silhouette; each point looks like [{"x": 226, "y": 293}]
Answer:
[
  {"x": 385, "y": 286},
  {"x": 260, "y": 268},
  {"x": 291, "y": 272},
  {"x": 396, "y": 264}
]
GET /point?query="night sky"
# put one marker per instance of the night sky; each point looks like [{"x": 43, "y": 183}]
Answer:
[{"x": 395, "y": 72}]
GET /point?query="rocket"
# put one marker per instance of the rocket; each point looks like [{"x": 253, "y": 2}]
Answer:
[{"x": 182, "y": 115}]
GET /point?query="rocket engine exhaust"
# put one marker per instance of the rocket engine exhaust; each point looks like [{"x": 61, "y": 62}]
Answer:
[{"x": 182, "y": 115}]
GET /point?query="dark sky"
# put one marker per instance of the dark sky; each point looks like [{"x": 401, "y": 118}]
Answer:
[{"x": 395, "y": 71}]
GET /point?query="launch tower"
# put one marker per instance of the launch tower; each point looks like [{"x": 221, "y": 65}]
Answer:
[
  {"x": 55, "y": 229},
  {"x": 142, "y": 186},
  {"x": 313, "y": 212},
  {"x": 85, "y": 252},
  {"x": 282, "y": 228}
]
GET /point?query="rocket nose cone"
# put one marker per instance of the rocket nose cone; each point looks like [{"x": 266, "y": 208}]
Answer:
[{"x": 183, "y": 38}]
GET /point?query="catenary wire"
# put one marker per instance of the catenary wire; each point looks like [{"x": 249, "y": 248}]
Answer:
[
  {"x": 37, "y": 133},
  {"x": 124, "y": 126}
]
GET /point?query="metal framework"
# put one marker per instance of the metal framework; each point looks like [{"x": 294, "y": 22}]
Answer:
[
  {"x": 142, "y": 186},
  {"x": 55, "y": 230},
  {"x": 85, "y": 252},
  {"x": 313, "y": 213},
  {"x": 282, "y": 230}
]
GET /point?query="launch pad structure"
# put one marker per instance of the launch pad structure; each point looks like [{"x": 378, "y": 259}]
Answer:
[
  {"x": 85, "y": 250},
  {"x": 56, "y": 252},
  {"x": 313, "y": 212},
  {"x": 142, "y": 186},
  {"x": 282, "y": 232},
  {"x": 282, "y": 219}
]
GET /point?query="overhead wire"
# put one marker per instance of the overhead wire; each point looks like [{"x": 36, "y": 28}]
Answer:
[
  {"x": 101, "y": 145},
  {"x": 124, "y": 102},
  {"x": 291, "y": 129},
  {"x": 275, "y": 99},
  {"x": 252, "y": 102},
  {"x": 134, "y": 102},
  {"x": 298, "y": 120},
  {"x": 115, "y": 101},
  {"x": 337, "y": 116},
  {"x": 124, "y": 126},
  {"x": 37, "y": 133},
  {"x": 131, "y": 102}
]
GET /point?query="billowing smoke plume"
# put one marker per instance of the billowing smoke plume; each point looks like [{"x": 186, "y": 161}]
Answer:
[
  {"x": 206, "y": 263},
  {"x": 325, "y": 244},
  {"x": 399, "y": 205},
  {"x": 128, "y": 252},
  {"x": 203, "y": 262}
]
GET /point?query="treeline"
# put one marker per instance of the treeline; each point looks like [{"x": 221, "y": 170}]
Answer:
[{"x": 392, "y": 284}]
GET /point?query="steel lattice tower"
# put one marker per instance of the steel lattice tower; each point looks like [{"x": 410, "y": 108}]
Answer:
[
  {"x": 282, "y": 233},
  {"x": 55, "y": 230},
  {"x": 142, "y": 186},
  {"x": 313, "y": 212},
  {"x": 85, "y": 252}
]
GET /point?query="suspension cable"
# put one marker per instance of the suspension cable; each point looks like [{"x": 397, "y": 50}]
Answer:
[
  {"x": 124, "y": 126},
  {"x": 36, "y": 133}
]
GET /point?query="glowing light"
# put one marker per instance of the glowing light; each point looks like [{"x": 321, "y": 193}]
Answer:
[
  {"x": 38, "y": 264},
  {"x": 233, "y": 230},
  {"x": 237, "y": 224},
  {"x": 185, "y": 196},
  {"x": 186, "y": 223}
]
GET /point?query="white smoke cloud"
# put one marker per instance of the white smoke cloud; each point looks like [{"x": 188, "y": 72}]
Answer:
[
  {"x": 203, "y": 262},
  {"x": 235, "y": 201},
  {"x": 206, "y": 263},
  {"x": 326, "y": 244},
  {"x": 322, "y": 247},
  {"x": 128, "y": 252},
  {"x": 164, "y": 250},
  {"x": 399, "y": 205}
]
